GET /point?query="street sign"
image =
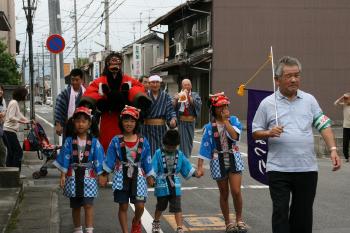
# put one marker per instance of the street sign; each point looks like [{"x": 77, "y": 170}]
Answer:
[{"x": 55, "y": 43}]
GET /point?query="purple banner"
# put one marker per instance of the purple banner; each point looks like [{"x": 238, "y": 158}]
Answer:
[{"x": 257, "y": 149}]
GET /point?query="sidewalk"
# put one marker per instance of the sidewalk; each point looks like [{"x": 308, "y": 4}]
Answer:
[
  {"x": 10, "y": 199},
  {"x": 32, "y": 208}
]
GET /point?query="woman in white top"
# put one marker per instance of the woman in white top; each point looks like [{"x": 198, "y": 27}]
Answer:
[
  {"x": 13, "y": 118},
  {"x": 2, "y": 119}
]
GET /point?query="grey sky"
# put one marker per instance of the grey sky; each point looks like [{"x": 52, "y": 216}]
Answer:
[{"x": 124, "y": 22}]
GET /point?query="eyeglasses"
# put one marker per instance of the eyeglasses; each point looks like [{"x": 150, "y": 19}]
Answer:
[{"x": 290, "y": 75}]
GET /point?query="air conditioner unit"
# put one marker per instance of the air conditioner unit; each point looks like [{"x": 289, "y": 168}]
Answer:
[{"x": 178, "y": 49}]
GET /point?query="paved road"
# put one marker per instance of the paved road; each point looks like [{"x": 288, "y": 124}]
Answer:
[{"x": 200, "y": 200}]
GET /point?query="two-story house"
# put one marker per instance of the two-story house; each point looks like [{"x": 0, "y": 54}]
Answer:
[
  {"x": 140, "y": 56},
  {"x": 7, "y": 26},
  {"x": 187, "y": 49}
]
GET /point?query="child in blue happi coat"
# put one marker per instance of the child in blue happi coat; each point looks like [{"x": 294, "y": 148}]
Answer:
[
  {"x": 167, "y": 163},
  {"x": 129, "y": 157},
  {"x": 219, "y": 147},
  {"x": 80, "y": 161}
]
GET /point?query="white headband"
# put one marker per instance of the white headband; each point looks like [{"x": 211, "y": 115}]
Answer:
[{"x": 155, "y": 78}]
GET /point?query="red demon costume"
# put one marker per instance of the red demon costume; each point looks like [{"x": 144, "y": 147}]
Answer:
[{"x": 109, "y": 94}]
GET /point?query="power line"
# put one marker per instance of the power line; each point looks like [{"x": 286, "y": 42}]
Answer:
[{"x": 89, "y": 34}]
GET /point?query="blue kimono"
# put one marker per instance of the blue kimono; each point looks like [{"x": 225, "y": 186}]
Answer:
[
  {"x": 208, "y": 150},
  {"x": 64, "y": 162},
  {"x": 161, "y": 108},
  {"x": 114, "y": 162},
  {"x": 183, "y": 166}
]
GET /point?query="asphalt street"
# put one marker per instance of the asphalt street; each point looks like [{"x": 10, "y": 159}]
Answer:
[{"x": 200, "y": 200}]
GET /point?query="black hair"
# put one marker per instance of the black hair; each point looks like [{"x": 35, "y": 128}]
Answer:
[
  {"x": 126, "y": 117},
  {"x": 142, "y": 77},
  {"x": 171, "y": 138},
  {"x": 70, "y": 130},
  {"x": 19, "y": 94},
  {"x": 77, "y": 72},
  {"x": 212, "y": 111}
]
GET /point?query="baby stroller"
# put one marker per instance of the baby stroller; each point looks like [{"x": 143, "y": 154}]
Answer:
[{"x": 38, "y": 141}]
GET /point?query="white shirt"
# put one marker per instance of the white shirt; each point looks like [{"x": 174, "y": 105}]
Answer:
[{"x": 72, "y": 99}]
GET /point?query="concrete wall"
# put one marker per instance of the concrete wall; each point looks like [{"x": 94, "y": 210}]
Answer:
[
  {"x": 315, "y": 31},
  {"x": 8, "y": 7}
]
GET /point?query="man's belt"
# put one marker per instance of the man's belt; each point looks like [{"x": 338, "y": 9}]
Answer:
[
  {"x": 187, "y": 118},
  {"x": 154, "y": 121}
]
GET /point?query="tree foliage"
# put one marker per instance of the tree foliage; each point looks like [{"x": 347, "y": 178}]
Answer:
[
  {"x": 8, "y": 67},
  {"x": 82, "y": 61}
]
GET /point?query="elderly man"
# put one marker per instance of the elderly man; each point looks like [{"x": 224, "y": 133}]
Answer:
[
  {"x": 160, "y": 113},
  {"x": 291, "y": 161},
  {"x": 344, "y": 101},
  {"x": 187, "y": 112}
]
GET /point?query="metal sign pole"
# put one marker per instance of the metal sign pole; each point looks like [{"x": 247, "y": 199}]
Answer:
[{"x": 58, "y": 84}]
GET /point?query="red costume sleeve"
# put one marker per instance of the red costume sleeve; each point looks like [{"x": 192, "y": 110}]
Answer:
[{"x": 92, "y": 91}]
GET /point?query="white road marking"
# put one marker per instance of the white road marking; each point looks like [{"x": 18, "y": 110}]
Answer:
[{"x": 46, "y": 121}]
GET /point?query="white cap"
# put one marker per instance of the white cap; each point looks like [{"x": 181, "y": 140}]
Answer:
[{"x": 154, "y": 78}]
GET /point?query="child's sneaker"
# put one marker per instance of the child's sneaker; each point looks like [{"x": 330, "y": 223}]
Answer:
[
  {"x": 155, "y": 226},
  {"x": 179, "y": 230},
  {"x": 136, "y": 227}
]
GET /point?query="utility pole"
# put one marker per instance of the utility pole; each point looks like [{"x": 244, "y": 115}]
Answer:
[
  {"x": 107, "y": 48},
  {"x": 43, "y": 69},
  {"x": 56, "y": 61},
  {"x": 76, "y": 35},
  {"x": 38, "y": 77},
  {"x": 29, "y": 16},
  {"x": 140, "y": 23}
]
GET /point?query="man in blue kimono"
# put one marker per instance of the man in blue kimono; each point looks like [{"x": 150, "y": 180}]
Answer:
[{"x": 160, "y": 113}]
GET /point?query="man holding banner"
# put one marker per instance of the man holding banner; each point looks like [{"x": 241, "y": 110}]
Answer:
[{"x": 291, "y": 162}]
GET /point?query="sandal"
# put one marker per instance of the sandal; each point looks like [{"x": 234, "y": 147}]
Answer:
[
  {"x": 231, "y": 228},
  {"x": 241, "y": 227}
]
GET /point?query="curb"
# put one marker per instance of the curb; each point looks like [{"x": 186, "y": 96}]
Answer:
[
  {"x": 54, "y": 226},
  {"x": 14, "y": 209}
]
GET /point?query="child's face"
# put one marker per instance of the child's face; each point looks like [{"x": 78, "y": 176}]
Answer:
[
  {"x": 169, "y": 149},
  {"x": 222, "y": 111},
  {"x": 82, "y": 125},
  {"x": 129, "y": 125}
]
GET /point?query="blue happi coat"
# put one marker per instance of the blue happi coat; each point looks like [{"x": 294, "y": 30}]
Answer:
[
  {"x": 113, "y": 163},
  {"x": 184, "y": 167},
  {"x": 208, "y": 149},
  {"x": 64, "y": 162}
]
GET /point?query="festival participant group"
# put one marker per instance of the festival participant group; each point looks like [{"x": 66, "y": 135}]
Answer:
[{"x": 144, "y": 137}]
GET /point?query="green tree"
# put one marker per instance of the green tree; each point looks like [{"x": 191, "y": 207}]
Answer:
[{"x": 8, "y": 67}]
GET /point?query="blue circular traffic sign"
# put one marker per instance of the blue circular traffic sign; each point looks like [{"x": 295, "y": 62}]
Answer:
[{"x": 55, "y": 43}]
